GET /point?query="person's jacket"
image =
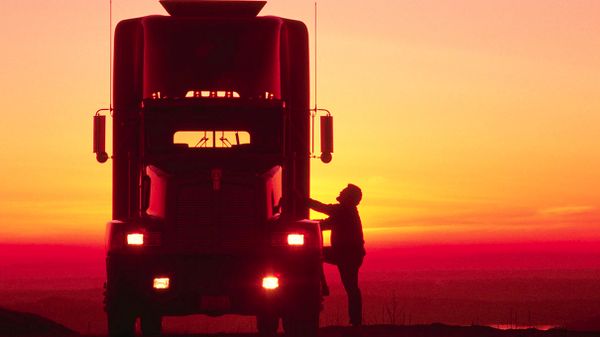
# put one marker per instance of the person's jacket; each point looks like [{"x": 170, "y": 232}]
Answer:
[{"x": 345, "y": 225}]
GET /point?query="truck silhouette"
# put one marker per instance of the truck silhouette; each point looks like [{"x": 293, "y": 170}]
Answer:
[{"x": 211, "y": 151}]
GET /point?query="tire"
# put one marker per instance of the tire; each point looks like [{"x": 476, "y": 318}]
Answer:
[
  {"x": 267, "y": 325},
  {"x": 121, "y": 323},
  {"x": 302, "y": 323},
  {"x": 151, "y": 325}
]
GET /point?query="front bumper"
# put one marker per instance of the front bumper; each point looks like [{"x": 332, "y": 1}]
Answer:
[{"x": 212, "y": 284}]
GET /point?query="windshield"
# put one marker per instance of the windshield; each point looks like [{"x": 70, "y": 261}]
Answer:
[
  {"x": 202, "y": 130},
  {"x": 211, "y": 139}
]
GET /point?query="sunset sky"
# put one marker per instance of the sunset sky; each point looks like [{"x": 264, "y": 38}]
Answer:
[{"x": 463, "y": 121}]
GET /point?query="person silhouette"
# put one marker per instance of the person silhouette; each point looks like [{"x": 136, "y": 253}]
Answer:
[{"x": 347, "y": 249}]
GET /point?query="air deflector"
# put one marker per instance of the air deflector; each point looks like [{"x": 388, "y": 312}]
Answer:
[{"x": 213, "y": 8}]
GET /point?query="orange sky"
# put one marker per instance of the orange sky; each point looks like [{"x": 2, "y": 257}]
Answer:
[{"x": 463, "y": 121}]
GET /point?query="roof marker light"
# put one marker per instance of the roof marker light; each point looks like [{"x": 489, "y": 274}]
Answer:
[{"x": 207, "y": 94}]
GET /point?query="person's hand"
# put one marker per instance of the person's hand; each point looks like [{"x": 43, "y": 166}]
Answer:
[
  {"x": 300, "y": 198},
  {"x": 299, "y": 195}
]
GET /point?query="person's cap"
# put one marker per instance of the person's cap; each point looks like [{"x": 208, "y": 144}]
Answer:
[{"x": 354, "y": 194}]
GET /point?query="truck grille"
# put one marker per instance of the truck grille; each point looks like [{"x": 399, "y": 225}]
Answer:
[
  {"x": 237, "y": 205},
  {"x": 224, "y": 220},
  {"x": 194, "y": 207}
]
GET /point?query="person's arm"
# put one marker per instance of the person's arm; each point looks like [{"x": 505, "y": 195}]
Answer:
[
  {"x": 320, "y": 207},
  {"x": 325, "y": 224}
]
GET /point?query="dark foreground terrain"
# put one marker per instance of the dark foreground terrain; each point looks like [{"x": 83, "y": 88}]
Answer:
[
  {"x": 431, "y": 330},
  {"x": 13, "y": 323}
]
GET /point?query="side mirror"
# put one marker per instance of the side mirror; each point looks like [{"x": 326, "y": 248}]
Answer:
[
  {"x": 326, "y": 138},
  {"x": 99, "y": 138}
]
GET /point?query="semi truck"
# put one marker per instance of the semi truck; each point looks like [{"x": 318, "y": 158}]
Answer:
[{"x": 211, "y": 169}]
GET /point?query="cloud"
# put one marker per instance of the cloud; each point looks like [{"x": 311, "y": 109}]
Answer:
[{"x": 566, "y": 210}]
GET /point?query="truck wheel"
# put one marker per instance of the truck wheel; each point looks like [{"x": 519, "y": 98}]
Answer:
[
  {"x": 120, "y": 323},
  {"x": 267, "y": 325},
  {"x": 151, "y": 324},
  {"x": 301, "y": 324}
]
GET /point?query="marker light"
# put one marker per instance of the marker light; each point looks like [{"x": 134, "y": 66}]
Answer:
[
  {"x": 212, "y": 94},
  {"x": 135, "y": 239},
  {"x": 161, "y": 283},
  {"x": 270, "y": 282},
  {"x": 295, "y": 239}
]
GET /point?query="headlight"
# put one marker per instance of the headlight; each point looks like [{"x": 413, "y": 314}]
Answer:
[
  {"x": 270, "y": 282},
  {"x": 135, "y": 239},
  {"x": 295, "y": 239},
  {"x": 160, "y": 283}
]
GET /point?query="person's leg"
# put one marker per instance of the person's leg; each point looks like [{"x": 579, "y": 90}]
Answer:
[
  {"x": 349, "y": 276},
  {"x": 328, "y": 257}
]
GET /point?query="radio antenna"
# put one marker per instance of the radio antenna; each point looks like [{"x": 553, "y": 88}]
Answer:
[
  {"x": 313, "y": 113},
  {"x": 110, "y": 64},
  {"x": 315, "y": 55}
]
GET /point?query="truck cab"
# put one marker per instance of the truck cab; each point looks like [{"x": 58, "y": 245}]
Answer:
[{"x": 211, "y": 150}]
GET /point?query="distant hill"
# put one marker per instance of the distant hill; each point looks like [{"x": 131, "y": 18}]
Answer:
[
  {"x": 442, "y": 330},
  {"x": 584, "y": 324},
  {"x": 430, "y": 330},
  {"x": 14, "y": 323},
  {"x": 20, "y": 324}
]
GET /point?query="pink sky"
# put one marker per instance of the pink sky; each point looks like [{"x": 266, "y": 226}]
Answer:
[{"x": 463, "y": 121}]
